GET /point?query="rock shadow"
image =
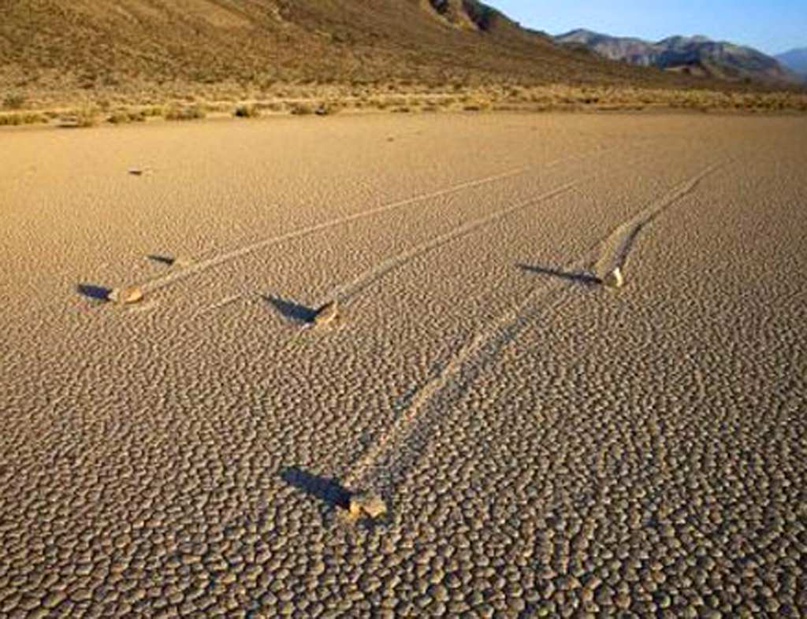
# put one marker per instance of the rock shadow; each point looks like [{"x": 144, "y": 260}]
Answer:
[
  {"x": 291, "y": 310},
  {"x": 162, "y": 259},
  {"x": 328, "y": 491},
  {"x": 577, "y": 277},
  {"x": 96, "y": 293}
]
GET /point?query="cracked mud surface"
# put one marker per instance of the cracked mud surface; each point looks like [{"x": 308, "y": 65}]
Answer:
[{"x": 545, "y": 446}]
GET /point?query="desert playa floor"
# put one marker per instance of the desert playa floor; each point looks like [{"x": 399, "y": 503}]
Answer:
[{"x": 545, "y": 445}]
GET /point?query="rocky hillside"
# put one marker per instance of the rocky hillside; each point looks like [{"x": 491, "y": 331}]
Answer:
[
  {"x": 698, "y": 56},
  {"x": 135, "y": 44}
]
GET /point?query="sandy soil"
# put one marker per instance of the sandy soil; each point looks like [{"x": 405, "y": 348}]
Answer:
[{"x": 544, "y": 445}]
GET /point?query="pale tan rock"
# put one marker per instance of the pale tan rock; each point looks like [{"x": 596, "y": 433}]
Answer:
[
  {"x": 126, "y": 296},
  {"x": 367, "y": 505},
  {"x": 614, "y": 279},
  {"x": 327, "y": 314}
]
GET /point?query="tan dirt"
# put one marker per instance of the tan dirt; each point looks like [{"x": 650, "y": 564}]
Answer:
[{"x": 542, "y": 445}]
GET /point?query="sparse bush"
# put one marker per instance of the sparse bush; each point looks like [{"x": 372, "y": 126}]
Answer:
[
  {"x": 506, "y": 107},
  {"x": 513, "y": 93},
  {"x": 398, "y": 101},
  {"x": 184, "y": 112},
  {"x": 217, "y": 107},
  {"x": 26, "y": 118},
  {"x": 380, "y": 104},
  {"x": 301, "y": 109},
  {"x": 150, "y": 111},
  {"x": 126, "y": 116},
  {"x": 118, "y": 118},
  {"x": 247, "y": 110},
  {"x": 273, "y": 106},
  {"x": 14, "y": 101},
  {"x": 477, "y": 106}
]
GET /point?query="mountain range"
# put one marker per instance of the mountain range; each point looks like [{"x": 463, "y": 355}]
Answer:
[
  {"x": 698, "y": 55},
  {"x": 795, "y": 60},
  {"x": 136, "y": 44}
]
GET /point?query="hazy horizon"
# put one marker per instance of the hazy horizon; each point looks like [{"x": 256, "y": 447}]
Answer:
[{"x": 772, "y": 27}]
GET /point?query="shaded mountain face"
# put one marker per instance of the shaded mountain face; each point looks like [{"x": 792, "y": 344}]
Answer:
[
  {"x": 795, "y": 60},
  {"x": 693, "y": 55},
  {"x": 473, "y": 15},
  {"x": 117, "y": 43}
]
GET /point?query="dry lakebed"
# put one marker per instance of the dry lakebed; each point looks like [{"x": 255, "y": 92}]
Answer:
[{"x": 407, "y": 365}]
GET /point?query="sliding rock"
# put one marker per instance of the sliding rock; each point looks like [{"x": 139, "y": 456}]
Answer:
[
  {"x": 326, "y": 314},
  {"x": 126, "y": 296},
  {"x": 366, "y": 505},
  {"x": 614, "y": 279}
]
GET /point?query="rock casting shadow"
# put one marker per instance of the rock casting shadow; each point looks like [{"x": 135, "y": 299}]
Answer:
[
  {"x": 291, "y": 310},
  {"x": 91, "y": 291},
  {"x": 577, "y": 277},
  {"x": 325, "y": 489},
  {"x": 161, "y": 259}
]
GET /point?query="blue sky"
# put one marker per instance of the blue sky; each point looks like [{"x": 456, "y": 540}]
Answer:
[{"x": 772, "y": 26}]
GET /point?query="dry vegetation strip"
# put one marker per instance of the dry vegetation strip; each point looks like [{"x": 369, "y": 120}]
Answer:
[{"x": 295, "y": 100}]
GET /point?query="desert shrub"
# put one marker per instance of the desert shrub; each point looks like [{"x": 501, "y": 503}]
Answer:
[
  {"x": 7, "y": 120},
  {"x": 217, "y": 107},
  {"x": 397, "y": 101},
  {"x": 153, "y": 110},
  {"x": 119, "y": 117},
  {"x": 476, "y": 106},
  {"x": 513, "y": 93},
  {"x": 14, "y": 101},
  {"x": 87, "y": 117},
  {"x": 184, "y": 112},
  {"x": 379, "y": 103},
  {"x": 273, "y": 106},
  {"x": 247, "y": 110},
  {"x": 27, "y": 118},
  {"x": 301, "y": 109}
]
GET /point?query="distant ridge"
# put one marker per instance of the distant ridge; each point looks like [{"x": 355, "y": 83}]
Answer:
[
  {"x": 795, "y": 60},
  {"x": 697, "y": 55},
  {"x": 118, "y": 44}
]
